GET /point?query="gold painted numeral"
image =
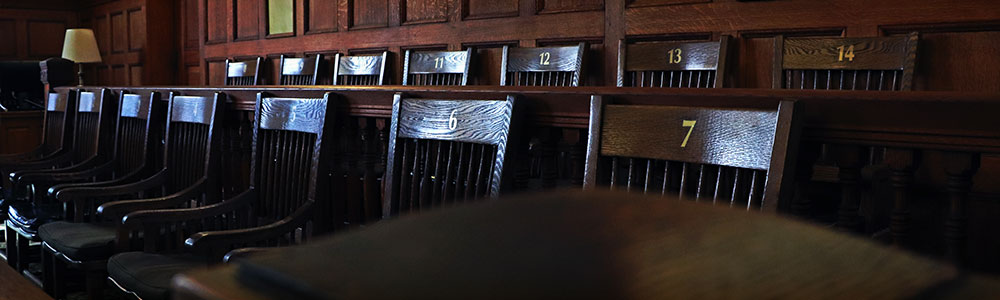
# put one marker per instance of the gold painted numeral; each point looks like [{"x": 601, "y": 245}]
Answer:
[
  {"x": 439, "y": 62},
  {"x": 452, "y": 121},
  {"x": 543, "y": 58},
  {"x": 674, "y": 56},
  {"x": 687, "y": 123},
  {"x": 846, "y": 52}
]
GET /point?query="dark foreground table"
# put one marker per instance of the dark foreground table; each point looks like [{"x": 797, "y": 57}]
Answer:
[
  {"x": 14, "y": 286},
  {"x": 572, "y": 244}
]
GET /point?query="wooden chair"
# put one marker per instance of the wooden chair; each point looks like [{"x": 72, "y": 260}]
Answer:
[
  {"x": 881, "y": 64},
  {"x": 189, "y": 157},
  {"x": 300, "y": 71},
  {"x": 436, "y": 67},
  {"x": 244, "y": 72},
  {"x": 542, "y": 66},
  {"x": 360, "y": 69},
  {"x": 445, "y": 151},
  {"x": 673, "y": 64},
  {"x": 274, "y": 211},
  {"x": 136, "y": 132},
  {"x": 90, "y": 123},
  {"x": 742, "y": 157},
  {"x": 55, "y": 132}
]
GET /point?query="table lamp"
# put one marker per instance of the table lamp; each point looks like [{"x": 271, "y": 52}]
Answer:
[{"x": 80, "y": 47}]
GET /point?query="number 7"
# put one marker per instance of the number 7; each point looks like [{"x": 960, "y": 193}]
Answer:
[{"x": 687, "y": 123}]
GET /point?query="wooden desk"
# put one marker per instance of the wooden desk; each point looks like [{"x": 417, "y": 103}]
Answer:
[
  {"x": 15, "y": 286},
  {"x": 573, "y": 244}
]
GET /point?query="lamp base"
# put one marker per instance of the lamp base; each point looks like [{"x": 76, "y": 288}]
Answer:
[{"x": 79, "y": 74}]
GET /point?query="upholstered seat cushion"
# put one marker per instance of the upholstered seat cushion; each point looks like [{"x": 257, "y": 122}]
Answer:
[
  {"x": 148, "y": 275},
  {"x": 79, "y": 241}
]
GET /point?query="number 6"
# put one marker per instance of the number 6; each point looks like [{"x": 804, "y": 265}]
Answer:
[{"x": 452, "y": 121}]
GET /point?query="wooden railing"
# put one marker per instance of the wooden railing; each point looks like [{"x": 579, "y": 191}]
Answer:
[{"x": 920, "y": 170}]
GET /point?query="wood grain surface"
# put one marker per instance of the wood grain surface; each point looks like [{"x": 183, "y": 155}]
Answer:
[
  {"x": 56, "y": 102},
  {"x": 304, "y": 115},
  {"x": 476, "y": 121},
  {"x": 424, "y": 62},
  {"x": 730, "y": 137},
  {"x": 654, "y": 56},
  {"x": 885, "y": 53},
  {"x": 89, "y": 102},
  {"x": 192, "y": 109}
]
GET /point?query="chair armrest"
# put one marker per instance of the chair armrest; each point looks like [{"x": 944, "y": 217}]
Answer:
[
  {"x": 242, "y": 253},
  {"x": 203, "y": 241},
  {"x": 68, "y": 176},
  {"x": 16, "y": 174},
  {"x": 137, "y": 218},
  {"x": 22, "y": 156},
  {"x": 115, "y": 210},
  {"x": 71, "y": 192},
  {"x": 49, "y": 162}
]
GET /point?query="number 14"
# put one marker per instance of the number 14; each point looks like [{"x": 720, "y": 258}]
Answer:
[{"x": 849, "y": 54}]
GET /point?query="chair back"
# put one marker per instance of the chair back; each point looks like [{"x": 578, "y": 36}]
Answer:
[
  {"x": 360, "y": 69},
  {"x": 287, "y": 153},
  {"x": 436, "y": 67},
  {"x": 542, "y": 66},
  {"x": 879, "y": 64},
  {"x": 60, "y": 108},
  {"x": 444, "y": 151},
  {"x": 672, "y": 64},
  {"x": 299, "y": 71},
  {"x": 193, "y": 139},
  {"x": 735, "y": 156},
  {"x": 245, "y": 72},
  {"x": 138, "y": 132},
  {"x": 95, "y": 124}
]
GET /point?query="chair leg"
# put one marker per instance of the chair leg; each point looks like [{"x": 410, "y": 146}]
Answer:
[
  {"x": 11, "y": 237},
  {"x": 58, "y": 278},
  {"x": 21, "y": 247},
  {"x": 48, "y": 260},
  {"x": 95, "y": 284}
]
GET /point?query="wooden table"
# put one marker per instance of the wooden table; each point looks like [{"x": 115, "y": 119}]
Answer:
[
  {"x": 14, "y": 286},
  {"x": 572, "y": 244}
]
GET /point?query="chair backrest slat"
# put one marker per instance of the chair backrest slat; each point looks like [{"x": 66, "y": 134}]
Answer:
[
  {"x": 300, "y": 71},
  {"x": 724, "y": 155},
  {"x": 673, "y": 64},
  {"x": 192, "y": 139},
  {"x": 445, "y": 151},
  {"x": 542, "y": 66},
  {"x": 59, "y": 111},
  {"x": 877, "y": 64},
  {"x": 245, "y": 72},
  {"x": 360, "y": 69},
  {"x": 138, "y": 125},
  {"x": 95, "y": 124},
  {"x": 436, "y": 67}
]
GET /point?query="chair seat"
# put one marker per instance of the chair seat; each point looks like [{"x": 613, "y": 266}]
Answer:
[
  {"x": 28, "y": 217},
  {"x": 148, "y": 275},
  {"x": 79, "y": 241}
]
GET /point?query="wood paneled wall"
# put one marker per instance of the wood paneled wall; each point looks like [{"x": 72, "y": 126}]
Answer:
[
  {"x": 28, "y": 33},
  {"x": 958, "y": 38},
  {"x": 137, "y": 39}
]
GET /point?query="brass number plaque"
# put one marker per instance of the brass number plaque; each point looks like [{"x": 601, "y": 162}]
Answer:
[{"x": 687, "y": 123}]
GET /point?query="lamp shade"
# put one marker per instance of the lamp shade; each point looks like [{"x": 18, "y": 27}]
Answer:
[{"x": 80, "y": 46}]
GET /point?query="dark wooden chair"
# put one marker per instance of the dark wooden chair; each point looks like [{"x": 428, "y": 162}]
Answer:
[
  {"x": 137, "y": 131},
  {"x": 444, "y": 152},
  {"x": 741, "y": 157},
  {"x": 542, "y": 66},
  {"x": 94, "y": 119},
  {"x": 244, "y": 72},
  {"x": 276, "y": 209},
  {"x": 673, "y": 64},
  {"x": 436, "y": 67},
  {"x": 360, "y": 69},
  {"x": 57, "y": 124},
  {"x": 300, "y": 71},
  {"x": 881, "y": 64},
  {"x": 189, "y": 157}
]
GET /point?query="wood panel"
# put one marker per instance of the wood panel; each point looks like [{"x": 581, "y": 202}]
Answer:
[
  {"x": 135, "y": 75},
  {"x": 425, "y": 11},
  {"x": 247, "y": 19},
  {"x": 119, "y": 33},
  {"x": 20, "y": 131},
  {"x": 368, "y": 13},
  {"x": 136, "y": 29},
  {"x": 641, "y": 3},
  {"x": 216, "y": 20},
  {"x": 323, "y": 16},
  {"x": 45, "y": 39},
  {"x": 481, "y": 9},
  {"x": 956, "y": 60},
  {"x": 102, "y": 31},
  {"x": 8, "y": 49},
  {"x": 756, "y": 58},
  {"x": 558, "y": 6}
]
